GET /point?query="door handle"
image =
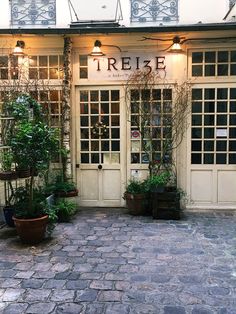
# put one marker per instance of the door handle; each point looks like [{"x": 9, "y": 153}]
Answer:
[{"x": 99, "y": 167}]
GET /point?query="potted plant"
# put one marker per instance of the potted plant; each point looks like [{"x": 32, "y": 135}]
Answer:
[
  {"x": 137, "y": 197},
  {"x": 35, "y": 144},
  {"x": 7, "y": 173},
  {"x": 64, "y": 209},
  {"x": 165, "y": 197}
]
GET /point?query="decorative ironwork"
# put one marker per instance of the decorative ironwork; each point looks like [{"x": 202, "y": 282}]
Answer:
[
  {"x": 99, "y": 129},
  {"x": 154, "y": 10},
  {"x": 33, "y": 12},
  {"x": 231, "y": 3}
]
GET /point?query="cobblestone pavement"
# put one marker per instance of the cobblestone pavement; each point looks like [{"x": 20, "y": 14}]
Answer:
[{"x": 106, "y": 261}]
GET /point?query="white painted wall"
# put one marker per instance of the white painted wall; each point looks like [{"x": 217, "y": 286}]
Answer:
[{"x": 190, "y": 12}]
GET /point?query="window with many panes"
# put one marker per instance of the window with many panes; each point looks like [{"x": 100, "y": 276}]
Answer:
[
  {"x": 151, "y": 112},
  {"x": 100, "y": 126},
  {"x": 83, "y": 66},
  {"x": 9, "y": 67},
  {"x": 213, "y": 126},
  {"x": 214, "y": 63},
  {"x": 46, "y": 67}
]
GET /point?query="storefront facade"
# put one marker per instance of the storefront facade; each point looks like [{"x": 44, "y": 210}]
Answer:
[{"x": 105, "y": 149}]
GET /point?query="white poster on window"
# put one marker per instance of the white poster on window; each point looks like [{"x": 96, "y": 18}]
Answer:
[{"x": 221, "y": 132}]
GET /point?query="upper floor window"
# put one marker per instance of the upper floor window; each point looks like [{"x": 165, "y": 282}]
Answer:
[
  {"x": 33, "y": 12},
  {"x": 214, "y": 63},
  {"x": 154, "y": 10}
]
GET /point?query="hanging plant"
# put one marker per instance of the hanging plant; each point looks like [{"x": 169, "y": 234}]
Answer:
[{"x": 99, "y": 129}]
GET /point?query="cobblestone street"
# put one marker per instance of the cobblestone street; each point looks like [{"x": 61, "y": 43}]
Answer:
[{"x": 106, "y": 261}]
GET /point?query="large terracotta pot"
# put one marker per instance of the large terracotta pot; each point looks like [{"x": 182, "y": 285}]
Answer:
[
  {"x": 31, "y": 231},
  {"x": 138, "y": 204}
]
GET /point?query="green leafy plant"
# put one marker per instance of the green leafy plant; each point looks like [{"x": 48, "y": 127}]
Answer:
[
  {"x": 7, "y": 159},
  {"x": 23, "y": 108},
  {"x": 56, "y": 184},
  {"x": 137, "y": 187},
  {"x": 65, "y": 209},
  {"x": 158, "y": 180},
  {"x": 33, "y": 144}
]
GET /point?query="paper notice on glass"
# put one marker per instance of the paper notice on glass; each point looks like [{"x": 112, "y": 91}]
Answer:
[{"x": 221, "y": 132}]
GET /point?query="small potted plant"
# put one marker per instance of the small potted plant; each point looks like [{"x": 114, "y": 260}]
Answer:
[
  {"x": 165, "y": 197},
  {"x": 64, "y": 209},
  {"x": 137, "y": 197},
  {"x": 7, "y": 173}
]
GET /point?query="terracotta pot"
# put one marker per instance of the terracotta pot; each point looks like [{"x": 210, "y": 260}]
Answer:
[
  {"x": 138, "y": 204},
  {"x": 8, "y": 175},
  {"x": 31, "y": 231}
]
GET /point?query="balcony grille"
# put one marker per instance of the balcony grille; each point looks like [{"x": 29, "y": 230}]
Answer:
[
  {"x": 154, "y": 10},
  {"x": 33, "y": 12}
]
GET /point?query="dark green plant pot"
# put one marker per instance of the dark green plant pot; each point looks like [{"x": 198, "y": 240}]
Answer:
[
  {"x": 166, "y": 205},
  {"x": 137, "y": 204},
  {"x": 8, "y": 214}
]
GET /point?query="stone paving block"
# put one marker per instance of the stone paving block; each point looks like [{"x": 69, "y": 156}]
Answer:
[
  {"x": 41, "y": 267},
  {"x": 87, "y": 295},
  {"x": 11, "y": 294},
  {"x": 91, "y": 276},
  {"x": 68, "y": 308},
  {"x": 24, "y": 274},
  {"x": 15, "y": 308},
  {"x": 7, "y": 273},
  {"x": 77, "y": 284},
  {"x": 110, "y": 296},
  {"x": 34, "y": 295},
  {"x": 44, "y": 274},
  {"x": 117, "y": 309},
  {"x": 62, "y": 295},
  {"x": 59, "y": 267},
  {"x": 174, "y": 310},
  {"x": 40, "y": 308},
  {"x": 32, "y": 283},
  {"x": 101, "y": 285},
  {"x": 10, "y": 283},
  {"x": 54, "y": 284},
  {"x": 95, "y": 308}
]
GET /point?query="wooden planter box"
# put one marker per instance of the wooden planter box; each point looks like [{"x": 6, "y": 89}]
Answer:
[
  {"x": 137, "y": 204},
  {"x": 166, "y": 205}
]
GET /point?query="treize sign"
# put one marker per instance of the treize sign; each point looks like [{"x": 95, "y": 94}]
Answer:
[{"x": 120, "y": 67}]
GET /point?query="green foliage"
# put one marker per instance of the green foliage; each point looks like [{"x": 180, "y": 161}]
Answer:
[
  {"x": 57, "y": 184},
  {"x": 7, "y": 159},
  {"x": 160, "y": 179},
  {"x": 34, "y": 144},
  {"x": 23, "y": 108},
  {"x": 26, "y": 209},
  {"x": 65, "y": 209},
  {"x": 137, "y": 187}
]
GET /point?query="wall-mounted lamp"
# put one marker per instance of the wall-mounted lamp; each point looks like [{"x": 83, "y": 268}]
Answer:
[
  {"x": 97, "y": 49},
  {"x": 19, "y": 48},
  {"x": 176, "y": 46}
]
